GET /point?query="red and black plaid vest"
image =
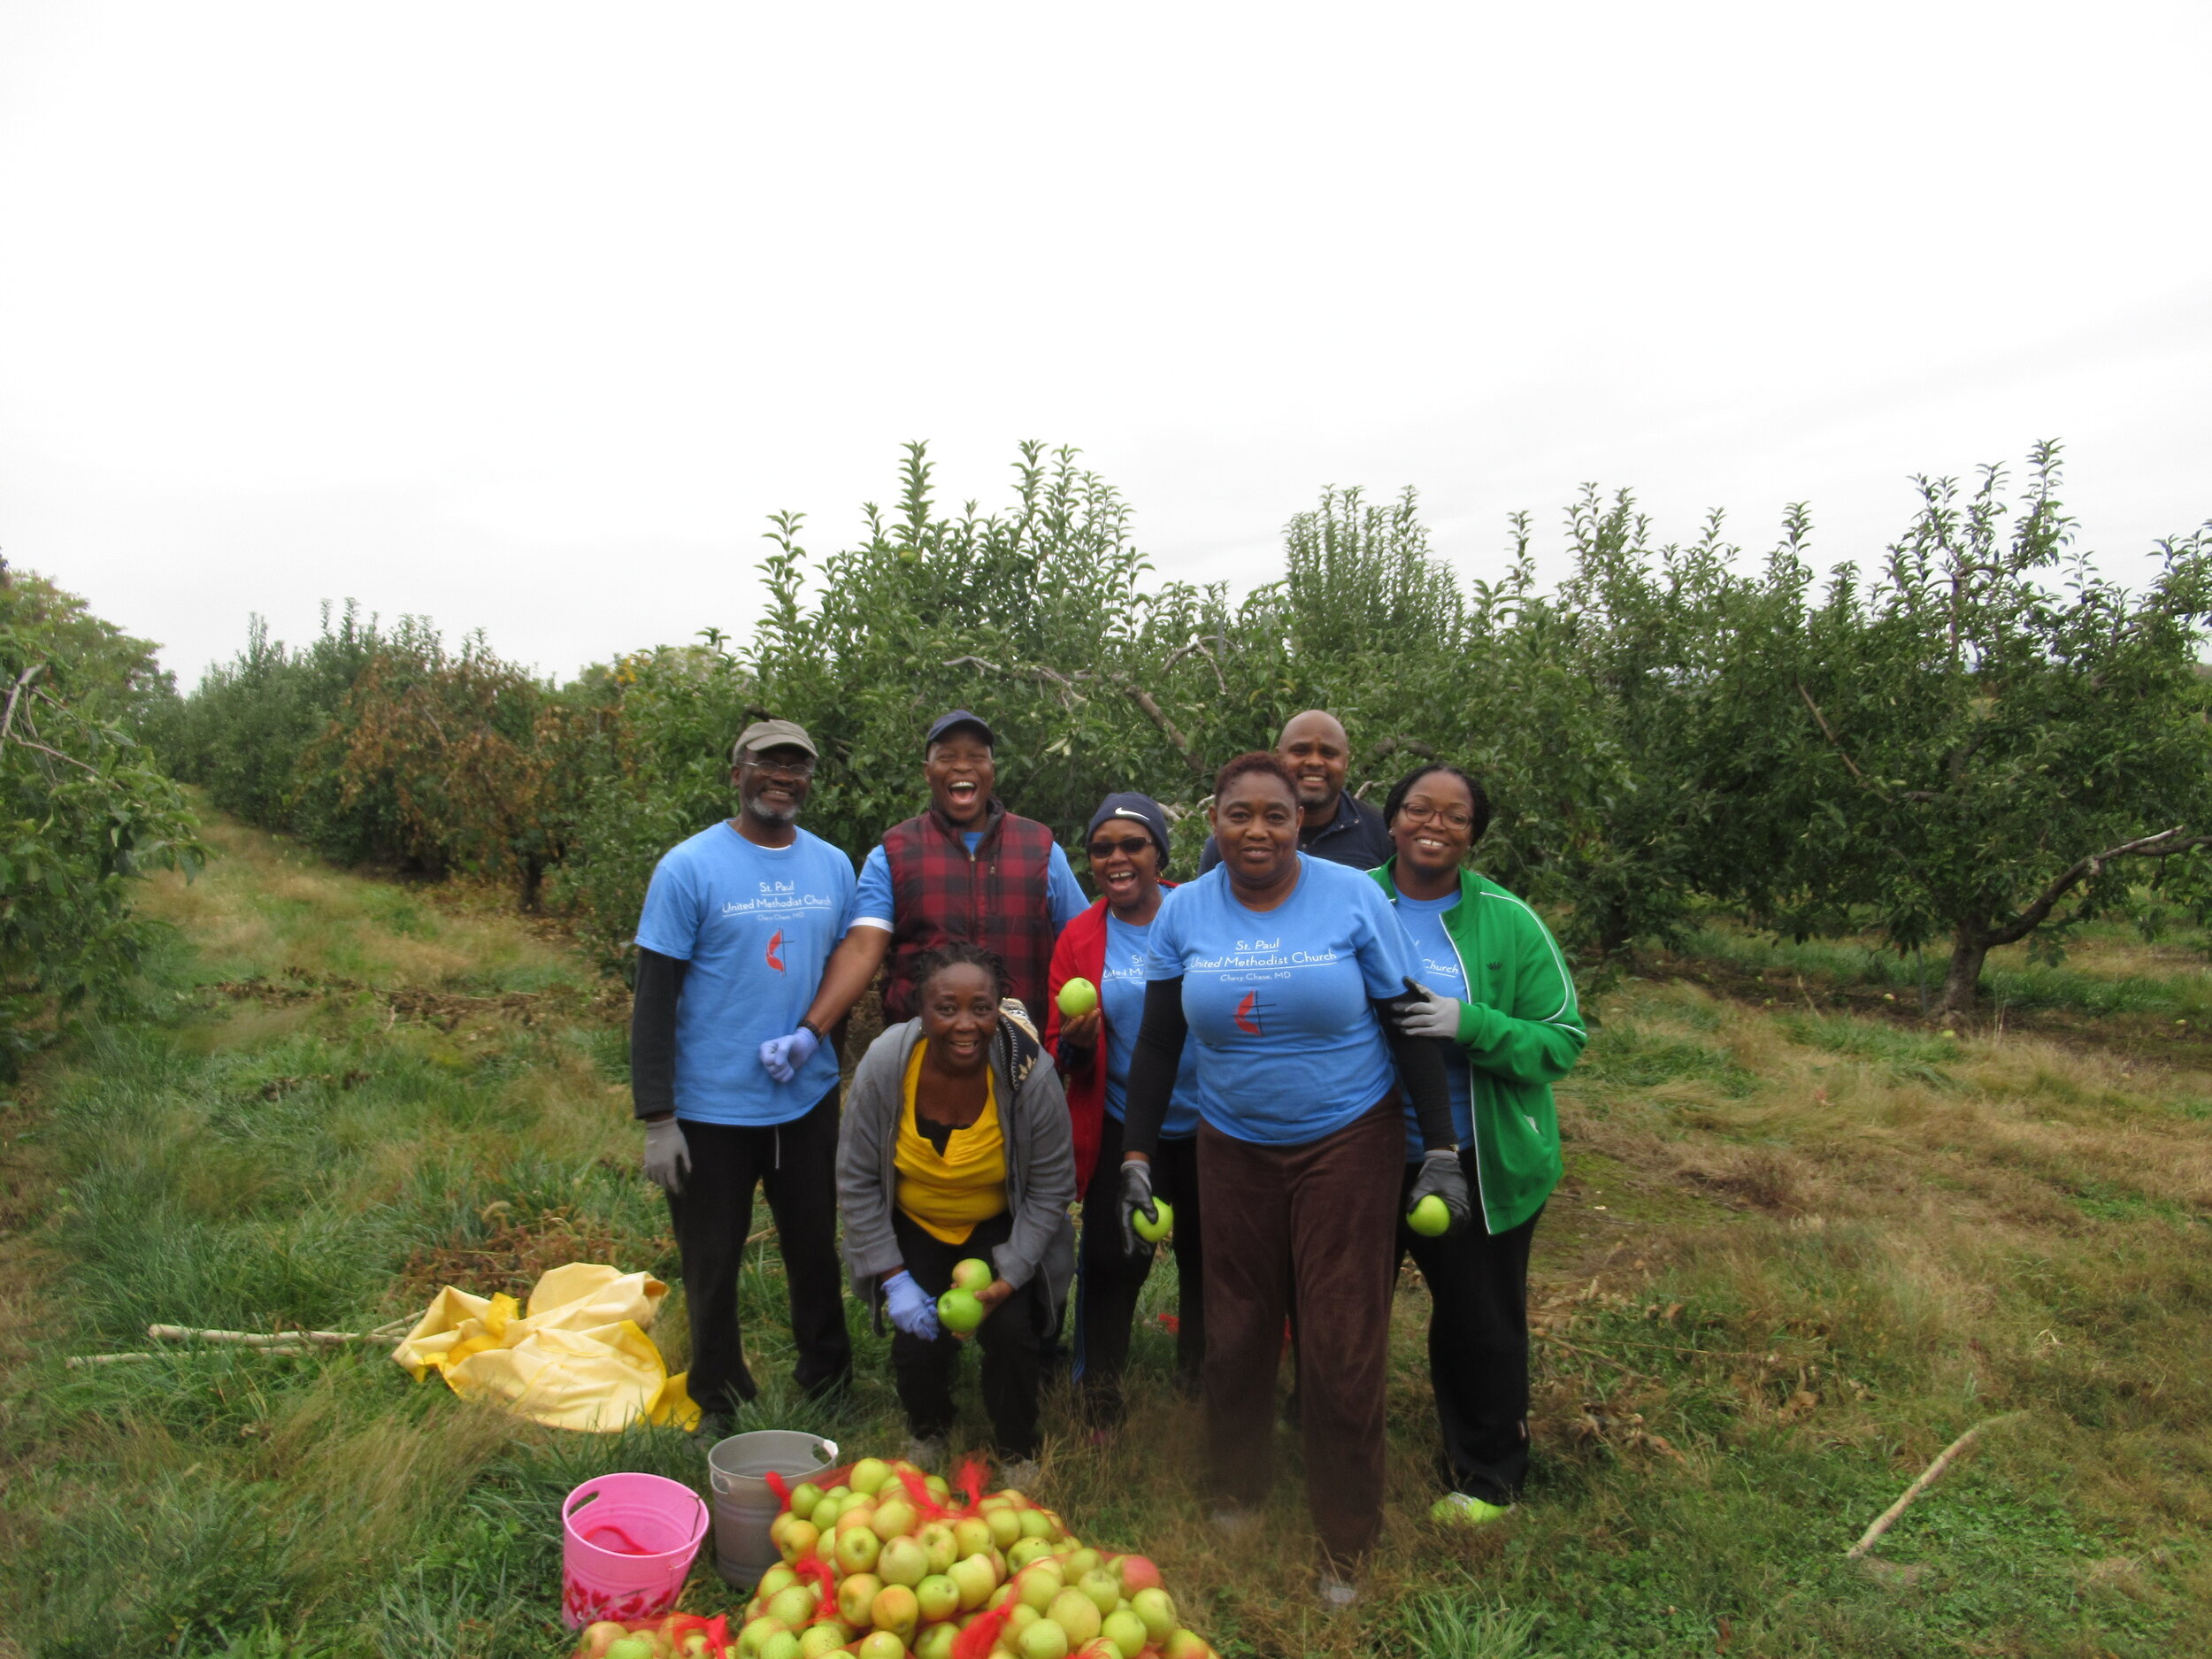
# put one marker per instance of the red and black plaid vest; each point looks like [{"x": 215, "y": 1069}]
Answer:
[{"x": 997, "y": 898}]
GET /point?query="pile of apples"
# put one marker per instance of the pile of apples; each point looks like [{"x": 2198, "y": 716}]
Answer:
[
  {"x": 675, "y": 1636},
  {"x": 881, "y": 1565}
]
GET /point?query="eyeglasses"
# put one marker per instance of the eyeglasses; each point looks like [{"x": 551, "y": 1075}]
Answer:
[
  {"x": 1450, "y": 817},
  {"x": 1128, "y": 847},
  {"x": 782, "y": 768}
]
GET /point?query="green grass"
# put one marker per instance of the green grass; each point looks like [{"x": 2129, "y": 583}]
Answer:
[{"x": 1797, "y": 1253}]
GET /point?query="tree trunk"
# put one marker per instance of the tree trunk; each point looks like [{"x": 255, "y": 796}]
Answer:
[{"x": 1963, "y": 979}]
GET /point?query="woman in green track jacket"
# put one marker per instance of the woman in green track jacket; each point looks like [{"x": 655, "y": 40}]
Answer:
[{"x": 1494, "y": 986}]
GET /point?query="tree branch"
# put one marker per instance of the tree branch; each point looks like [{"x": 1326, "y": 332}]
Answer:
[
  {"x": 1199, "y": 644},
  {"x": 1829, "y": 732},
  {"x": 2165, "y": 844},
  {"x": 16, "y": 696},
  {"x": 1136, "y": 694}
]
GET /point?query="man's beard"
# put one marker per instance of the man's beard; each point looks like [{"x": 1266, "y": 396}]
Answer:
[{"x": 767, "y": 814}]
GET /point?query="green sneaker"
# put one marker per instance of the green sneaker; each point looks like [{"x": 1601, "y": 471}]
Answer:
[{"x": 1458, "y": 1508}]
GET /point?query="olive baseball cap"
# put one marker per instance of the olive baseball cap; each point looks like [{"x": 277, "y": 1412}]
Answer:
[{"x": 773, "y": 734}]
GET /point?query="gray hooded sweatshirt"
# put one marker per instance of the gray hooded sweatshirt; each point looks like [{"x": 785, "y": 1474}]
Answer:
[{"x": 1039, "y": 1164}]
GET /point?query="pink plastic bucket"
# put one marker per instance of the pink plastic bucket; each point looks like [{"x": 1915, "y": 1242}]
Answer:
[{"x": 626, "y": 1546}]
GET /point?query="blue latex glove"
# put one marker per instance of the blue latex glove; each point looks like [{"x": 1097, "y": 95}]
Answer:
[
  {"x": 912, "y": 1308},
  {"x": 784, "y": 1056}
]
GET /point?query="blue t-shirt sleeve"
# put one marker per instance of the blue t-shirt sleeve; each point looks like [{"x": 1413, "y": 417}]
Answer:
[
  {"x": 671, "y": 922},
  {"x": 1385, "y": 954},
  {"x": 1064, "y": 891},
  {"x": 872, "y": 903},
  {"x": 849, "y": 912},
  {"x": 1164, "y": 949}
]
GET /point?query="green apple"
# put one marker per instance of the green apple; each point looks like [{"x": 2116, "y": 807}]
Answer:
[
  {"x": 816, "y": 1639},
  {"x": 631, "y": 1647},
  {"x": 936, "y": 1641},
  {"x": 1153, "y": 1231},
  {"x": 596, "y": 1639},
  {"x": 894, "y": 1517},
  {"x": 857, "y": 1550},
  {"x": 869, "y": 1474},
  {"x": 1156, "y": 1609},
  {"x": 1028, "y": 1550},
  {"x": 896, "y": 1608},
  {"x": 1044, "y": 1640},
  {"x": 941, "y": 1542},
  {"x": 976, "y": 1578},
  {"x": 1080, "y": 1560},
  {"x": 756, "y": 1632},
  {"x": 959, "y": 1312},
  {"x": 881, "y": 1644},
  {"x": 775, "y": 1582},
  {"x": 972, "y": 1275},
  {"x": 783, "y": 1645},
  {"x": 1006, "y": 1526},
  {"x": 1035, "y": 1587},
  {"x": 1038, "y": 1524},
  {"x": 854, "y": 1596},
  {"x": 824, "y": 1514},
  {"x": 798, "y": 1538},
  {"x": 1103, "y": 1589},
  {"x": 904, "y": 1561},
  {"x": 1430, "y": 1217},
  {"x": 938, "y": 1596},
  {"x": 1078, "y": 997},
  {"x": 804, "y": 1496},
  {"x": 794, "y": 1605},
  {"x": 1077, "y": 1614},
  {"x": 1127, "y": 1632}
]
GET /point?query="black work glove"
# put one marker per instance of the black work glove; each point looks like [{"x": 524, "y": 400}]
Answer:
[
  {"x": 1136, "y": 1193},
  {"x": 1441, "y": 1177}
]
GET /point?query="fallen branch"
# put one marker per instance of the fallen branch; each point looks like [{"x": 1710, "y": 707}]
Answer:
[
  {"x": 77, "y": 1362},
  {"x": 280, "y": 1339},
  {"x": 1928, "y": 1478}
]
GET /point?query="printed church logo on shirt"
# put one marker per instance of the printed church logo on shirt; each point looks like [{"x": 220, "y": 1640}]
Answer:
[
  {"x": 1247, "y": 1015},
  {"x": 775, "y": 949}
]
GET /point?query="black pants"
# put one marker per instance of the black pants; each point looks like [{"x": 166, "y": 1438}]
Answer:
[
  {"x": 1106, "y": 1298},
  {"x": 1477, "y": 1347},
  {"x": 795, "y": 1166},
  {"x": 1012, "y": 1340}
]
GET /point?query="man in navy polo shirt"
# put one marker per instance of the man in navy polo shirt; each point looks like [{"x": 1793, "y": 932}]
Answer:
[
  {"x": 1333, "y": 823},
  {"x": 740, "y": 921}
]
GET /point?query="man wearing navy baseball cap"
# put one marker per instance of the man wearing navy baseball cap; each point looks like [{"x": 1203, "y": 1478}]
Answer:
[{"x": 965, "y": 868}]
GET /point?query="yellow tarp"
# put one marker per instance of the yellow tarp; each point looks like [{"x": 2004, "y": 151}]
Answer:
[{"x": 578, "y": 1359}]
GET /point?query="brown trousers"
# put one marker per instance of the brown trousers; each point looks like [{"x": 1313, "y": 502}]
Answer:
[{"x": 1313, "y": 1228}]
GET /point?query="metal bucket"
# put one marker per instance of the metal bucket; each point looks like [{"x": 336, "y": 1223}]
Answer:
[{"x": 745, "y": 1504}]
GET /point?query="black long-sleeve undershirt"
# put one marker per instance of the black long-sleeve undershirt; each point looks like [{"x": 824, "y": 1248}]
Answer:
[
  {"x": 660, "y": 980},
  {"x": 1158, "y": 1055}
]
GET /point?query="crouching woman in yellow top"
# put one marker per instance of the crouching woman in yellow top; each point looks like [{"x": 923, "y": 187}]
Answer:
[{"x": 955, "y": 1145}]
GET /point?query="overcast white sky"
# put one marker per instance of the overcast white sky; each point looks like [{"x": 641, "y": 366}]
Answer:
[{"x": 525, "y": 317}]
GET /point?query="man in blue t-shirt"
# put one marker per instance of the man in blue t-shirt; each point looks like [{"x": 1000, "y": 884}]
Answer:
[{"x": 739, "y": 923}]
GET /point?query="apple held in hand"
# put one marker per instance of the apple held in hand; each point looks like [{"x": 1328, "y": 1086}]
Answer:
[
  {"x": 1153, "y": 1231},
  {"x": 1430, "y": 1217},
  {"x": 1078, "y": 997},
  {"x": 972, "y": 1275},
  {"x": 959, "y": 1312}
]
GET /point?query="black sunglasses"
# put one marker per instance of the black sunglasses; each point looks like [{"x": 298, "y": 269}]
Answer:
[{"x": 1128, "y": 846}]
